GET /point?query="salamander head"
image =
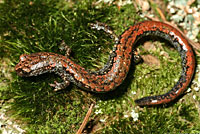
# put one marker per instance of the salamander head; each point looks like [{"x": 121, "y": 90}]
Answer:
[{"x": 35, "y": 64}]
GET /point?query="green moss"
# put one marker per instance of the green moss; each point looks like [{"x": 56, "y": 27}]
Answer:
[{"x": 34, "y": 26}]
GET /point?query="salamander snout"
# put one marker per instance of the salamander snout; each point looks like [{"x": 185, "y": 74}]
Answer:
[{"x": 23, "y": 67}]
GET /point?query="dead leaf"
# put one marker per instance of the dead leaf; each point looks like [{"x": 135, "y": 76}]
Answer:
[
  {"x": 151, "y": 60},
  {"x": 148, "y": 45}
]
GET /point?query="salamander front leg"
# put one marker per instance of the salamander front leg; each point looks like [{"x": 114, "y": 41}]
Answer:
[{"x": 59, "y": 86}]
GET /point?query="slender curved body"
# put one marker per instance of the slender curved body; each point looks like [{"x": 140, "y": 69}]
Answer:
[{"x": 117, "y": 67}]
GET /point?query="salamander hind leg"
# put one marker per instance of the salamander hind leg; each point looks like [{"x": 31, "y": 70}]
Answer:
[
  {"x": 61, "y": 85},
  {"x": 106, "y": 29},
  {"x": 137, "y": 57},
  {"x": 64, "y": 47}
]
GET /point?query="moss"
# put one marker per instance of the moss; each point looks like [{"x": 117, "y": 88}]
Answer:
[{"x": 34, "y": 26}]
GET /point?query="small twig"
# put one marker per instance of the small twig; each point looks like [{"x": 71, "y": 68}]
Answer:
[
  {"x": 159, "y": 11},
  {"x": 85, "y": 119},
  {"x": 161, "y": 14}
]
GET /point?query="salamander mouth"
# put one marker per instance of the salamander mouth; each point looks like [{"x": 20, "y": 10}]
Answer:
[{"x": 22, "y": 71}]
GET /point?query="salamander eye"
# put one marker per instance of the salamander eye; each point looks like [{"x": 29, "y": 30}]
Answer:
[
  {"x": 43, "y": 56},
  {"x": 23, "y": 57},
  {"x": 22, "y": 71}
]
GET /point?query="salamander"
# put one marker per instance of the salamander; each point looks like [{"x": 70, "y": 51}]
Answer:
[{"x": 115, "y": 70}]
